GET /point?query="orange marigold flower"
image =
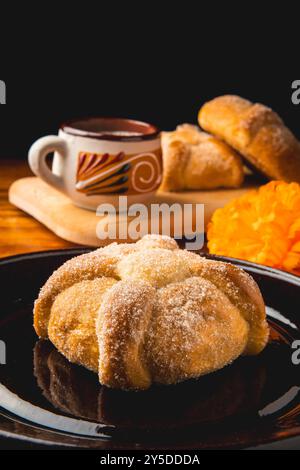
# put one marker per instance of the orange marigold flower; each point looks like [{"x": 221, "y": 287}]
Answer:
[{"x": 262, "y": 226}]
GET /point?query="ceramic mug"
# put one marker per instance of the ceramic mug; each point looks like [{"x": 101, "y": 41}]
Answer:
[{"x": 96, "y": 160}]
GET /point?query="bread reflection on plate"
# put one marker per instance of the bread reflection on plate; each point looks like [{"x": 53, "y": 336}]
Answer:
[
  {"x": 63, "y": 384},
  {"x": 73, "y": 390}
]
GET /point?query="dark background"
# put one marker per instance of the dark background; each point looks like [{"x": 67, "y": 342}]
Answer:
[
  {"x": 36, "y": 105},
  {"x": 155, "y": 68}
]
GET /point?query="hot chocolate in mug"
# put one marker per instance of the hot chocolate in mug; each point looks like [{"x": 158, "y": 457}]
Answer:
[{"x": 96, "y": 160}]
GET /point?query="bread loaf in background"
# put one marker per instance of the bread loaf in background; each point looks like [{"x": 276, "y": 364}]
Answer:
[
  {"x": 256, "y": 132},
  {"x": 196, "y": 160}
]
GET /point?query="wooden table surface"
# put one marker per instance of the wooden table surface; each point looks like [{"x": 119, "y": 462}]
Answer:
[{"x": 20, "y": 233}]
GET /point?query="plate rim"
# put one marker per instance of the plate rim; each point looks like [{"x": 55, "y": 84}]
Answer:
[{"x": 253, "y": 267}]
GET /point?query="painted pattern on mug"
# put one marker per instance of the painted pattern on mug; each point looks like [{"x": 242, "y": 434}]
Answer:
[{"x": 118, "y": 174}]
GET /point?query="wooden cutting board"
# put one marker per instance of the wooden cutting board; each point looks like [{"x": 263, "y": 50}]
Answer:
[{"x": 56, "y": 211}]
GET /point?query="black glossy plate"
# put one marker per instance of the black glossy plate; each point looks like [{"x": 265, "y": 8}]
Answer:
[{"x": 255, "y": 402}]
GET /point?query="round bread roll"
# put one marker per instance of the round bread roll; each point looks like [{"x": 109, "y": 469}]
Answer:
[
  {"x": 256, "y": 132},
  {"x": 149, "y": 312}
]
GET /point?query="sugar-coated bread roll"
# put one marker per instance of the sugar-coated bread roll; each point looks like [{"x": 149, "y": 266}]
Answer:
[
  {"x": 256, "y": 132},
  {"x": 196, "y": 160},
  {"x": 152, "y": 314}
]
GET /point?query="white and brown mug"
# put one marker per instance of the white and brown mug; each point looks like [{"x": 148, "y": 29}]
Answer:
[{"x": 98, "y": 159}]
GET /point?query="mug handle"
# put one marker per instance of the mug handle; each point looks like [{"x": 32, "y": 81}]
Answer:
[{"x": 37, "y": 159}]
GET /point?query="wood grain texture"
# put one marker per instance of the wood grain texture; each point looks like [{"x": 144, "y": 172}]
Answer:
[
  {"x": 19, "y": 232},
  {"x": 77, "y": 225}
]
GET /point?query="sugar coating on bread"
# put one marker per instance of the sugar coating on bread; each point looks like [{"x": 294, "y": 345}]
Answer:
[
  {"x": 256, "y": 132},
  {"x": 202, "y": 331},
  {"x": 158, "y": 267},
  {"x": 150, "y": 312},
  {"x": 72, "y": 330},
  {"x": 121, "y": 326}
]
